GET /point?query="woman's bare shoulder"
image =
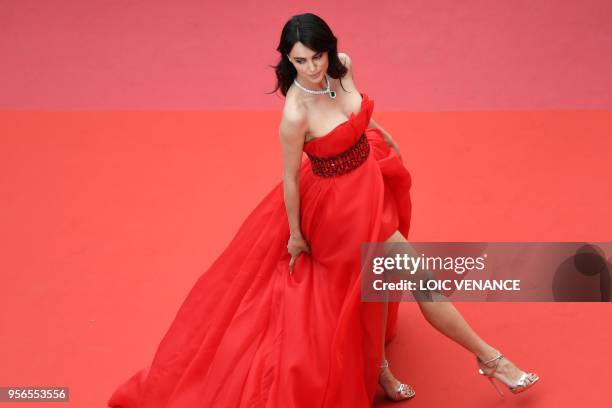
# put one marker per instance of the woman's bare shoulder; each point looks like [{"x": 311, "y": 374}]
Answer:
[
  {"x": 294, "y": 116},
  {"x": 345, "y": 60}
]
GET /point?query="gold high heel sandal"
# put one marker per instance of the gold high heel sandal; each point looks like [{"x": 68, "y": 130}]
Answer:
[
  {"x": 402, "y": 392},
  {"x": 526, "y": 381}
]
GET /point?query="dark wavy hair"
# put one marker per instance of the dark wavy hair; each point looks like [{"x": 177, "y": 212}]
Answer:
[{"x": 314, "y": 33}]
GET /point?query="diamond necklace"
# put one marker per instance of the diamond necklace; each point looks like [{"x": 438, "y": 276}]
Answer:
[{"x": 332, "y": 94}]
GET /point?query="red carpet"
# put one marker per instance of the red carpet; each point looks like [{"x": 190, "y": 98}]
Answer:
[{"x": 109, "y": 218}]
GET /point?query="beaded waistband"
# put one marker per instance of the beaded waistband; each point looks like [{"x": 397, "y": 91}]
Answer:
[{"x": 343, "y": 162}]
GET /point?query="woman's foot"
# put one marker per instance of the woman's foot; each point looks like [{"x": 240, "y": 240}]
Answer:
[
  {"x": 394, "y": 389},
  {"x": 499, "y": 367}
]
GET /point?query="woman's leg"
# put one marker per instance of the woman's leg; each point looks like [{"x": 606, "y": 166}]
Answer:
[
  {"x": 386, "y": 378},
  {"x": 443, "y": 316}
]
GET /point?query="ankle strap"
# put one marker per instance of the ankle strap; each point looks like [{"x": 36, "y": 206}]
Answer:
[
  {"x": 384, "y": 364},
  {"x": 498, "y": 357}
]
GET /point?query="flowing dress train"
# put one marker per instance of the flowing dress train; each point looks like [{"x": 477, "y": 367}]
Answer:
[{"x": 249, "y": 334}]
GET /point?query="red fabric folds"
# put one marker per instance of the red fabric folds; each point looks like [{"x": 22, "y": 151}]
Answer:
[{"x": 249, "y": 334}]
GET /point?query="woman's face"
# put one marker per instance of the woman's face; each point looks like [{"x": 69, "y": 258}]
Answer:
[{"x": 310, "y": 65}]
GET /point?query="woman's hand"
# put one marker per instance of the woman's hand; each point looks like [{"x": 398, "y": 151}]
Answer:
[{"x": 295, "y": 246}]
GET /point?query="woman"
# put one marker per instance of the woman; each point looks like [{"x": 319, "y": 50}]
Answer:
[{"x": 277, "y": 320}]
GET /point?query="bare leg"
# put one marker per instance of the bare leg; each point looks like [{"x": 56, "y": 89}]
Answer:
[
  {"x": 443, "y": 316},
  {"x": 386, "y": 378}
]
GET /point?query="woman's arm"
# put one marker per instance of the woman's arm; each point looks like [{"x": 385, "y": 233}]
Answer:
[
  {"x": 386, "y": 135},
  {"x": 292, "y": 131}
]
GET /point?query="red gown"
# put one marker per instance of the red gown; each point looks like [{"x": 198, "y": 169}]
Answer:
[{"x": 249, "y": 334}]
